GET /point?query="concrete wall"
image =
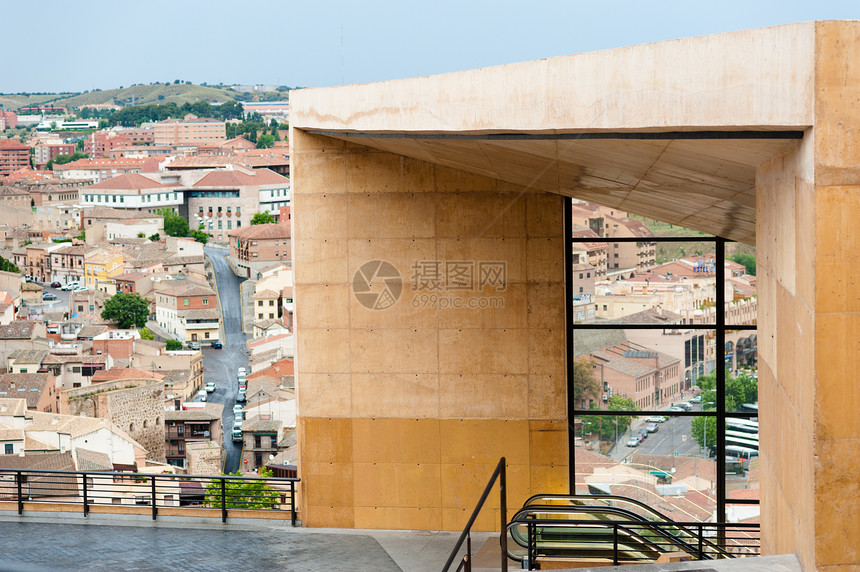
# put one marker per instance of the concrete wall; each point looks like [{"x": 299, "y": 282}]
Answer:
[{"x": 404, "y": 411}]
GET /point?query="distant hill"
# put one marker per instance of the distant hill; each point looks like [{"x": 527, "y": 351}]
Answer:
[{"x": 178, "y": 93}]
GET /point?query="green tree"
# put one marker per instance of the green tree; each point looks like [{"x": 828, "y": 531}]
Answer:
[
  {"x": 265, "y": 141},
  {"x": 262, "y": 218},
  {"x": 748, "y": 260},
  {"x": 126, "y": 310},
  {"x": 607, "y": 426},
  {"x": 145, "y": 334},
  {"x": 585, "y": 382},
  {"x": 173, "y": 345},
  {"x": 141, "y": 235},
  {"x": 8, "y": 266},
  {"x": 242, "y": 494},
  {"x": 174, "y": 225},
  {"x": 740, "y": 389},
  {"x": 83, "y": 235},
  {"x": 200, "y": 236},
  {"x": 704, "y": 431},
  {"x": 155, "y": 237}
]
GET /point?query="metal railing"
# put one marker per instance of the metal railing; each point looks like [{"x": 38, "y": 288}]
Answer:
[
  {"x": 91, "y": 489},
  {"x": 466, "y": 561},
  {"x": 625, "y": 542}
]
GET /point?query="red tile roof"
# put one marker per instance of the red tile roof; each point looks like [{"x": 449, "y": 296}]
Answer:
[
  {"x": 262, "y": 231},
  {"x": 237, "y": 178},
  {"x": 12, "y": 144},
  {"x": 129, "y": 181}
]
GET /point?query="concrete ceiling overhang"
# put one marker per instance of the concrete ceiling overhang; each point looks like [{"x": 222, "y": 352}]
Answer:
[{"x": 703, "y": 180}]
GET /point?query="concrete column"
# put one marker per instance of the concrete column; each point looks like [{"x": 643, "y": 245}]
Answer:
[{"x": 404, "y": 409}]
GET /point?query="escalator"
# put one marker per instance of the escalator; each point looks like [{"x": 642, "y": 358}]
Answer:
[{"x": 601, "y": 528}]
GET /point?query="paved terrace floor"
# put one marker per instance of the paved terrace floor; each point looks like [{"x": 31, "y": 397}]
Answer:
[{"x": 38, "y": 545}]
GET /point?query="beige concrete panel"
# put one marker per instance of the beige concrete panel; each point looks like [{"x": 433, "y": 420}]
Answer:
[
  {"x": 380, "y": 440},
  {"x": 485, "y": 215},
  {"x": 396, "y": 517},
  {"x": 837, "y": 395},
  {"x": 548, "y": 479},
  {"x": 805, "y": 241},
  {"x": 325, "y": 440},
  {"x": 328, "y": 484},
  {"x": 386, "y": 173},
  {"x": 388, "y": 351},
  {"x": 319, "y": 173},
  {"x": 546, "y": 259},
  {"x": 837, "y": 249},
  {"x": 837, "y": 503},
  {"x": 324, "y": 306},
  {"x": 547, "y": 352},
  {"x": 410, "y": 310},
  {"x": 468, "y": 395},
  {"x": 545, "y": 303},
  {"x": 407, "y": 215},
  {"x": 403, "y": 253},
  {"x": 323, "y": 350},
  {"x": 397, "y": 484},
  {"x": 303, "y": 142},
  {"x": 324, "y": 516},
  {"x": 837, "y": 79},
  {"x": 323, "y": 216},
  {"x": 487, "y": 308},
  {"x": 511, "y": 251},
  {"x": 321, "y": 261},
  {"x": 481, "y": 441},
  {"x": 547, "y": 396},
  {"x": 548, "y": 443},
  {"x": 751, "y": 77},
  {"x": 462, "y": 485},
  {"x": 323, "y": 394},
  {"x": 489, "y": 351},
  {"x": 395, "y": 395},
  {"x": 448, "y": 179},
  {"x": 544, "y": 215}
]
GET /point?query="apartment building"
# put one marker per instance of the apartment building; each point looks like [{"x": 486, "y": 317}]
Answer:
[
  {"x": 67, "y": 263},
  {"x": 189, "y": 313},
  {"x": 99, "y": 170},
  {"x": 191, "y": 425},
  {"x": 47, "y": 151},
  {"x": 190, "y": 130},
  {"x": 260, "y": 245},
  {"x": 13, "y": 156},
  {"x": 610, "y": 223},
  {"x": 100, "y": 268},
  {"x": 101, "y": 143},
  {"x": 134, "y": 191}
]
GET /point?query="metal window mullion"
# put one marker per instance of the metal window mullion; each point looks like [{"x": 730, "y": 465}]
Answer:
[
  {"x": 568, "y": 316},
  {"x": 721, "y": 377}
]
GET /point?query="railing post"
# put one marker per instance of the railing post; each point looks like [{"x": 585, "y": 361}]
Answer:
[
  {"x": 467, "y": 559},
  {"x": 503, "y": 505},
  {"x": 293, "y": 502},
  {"x": 224, "y": 501},
  {"x": 153, "y": 497},
  {"x": 20, "y": 478},
  {"x": 615, "y": 543},
  {"x": 532, "y": 547},
  {"x": 86, "y": 504},
  {"x": 701, "y": 549}
]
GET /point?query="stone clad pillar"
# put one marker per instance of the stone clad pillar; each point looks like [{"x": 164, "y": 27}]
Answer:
[
  {"x": 808, "y": 240},
  {"x": 408, "y": 397}
]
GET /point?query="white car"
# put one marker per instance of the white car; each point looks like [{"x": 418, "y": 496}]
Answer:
[
  {"x": 201, "y": 396},
  {"x": 237, "y": 408},
  {"x": 69, "y": 286},
  {"x": 210, "y": 387},
  {"x": 655, "y": 419},
  {"x": 79, "y": 289}
]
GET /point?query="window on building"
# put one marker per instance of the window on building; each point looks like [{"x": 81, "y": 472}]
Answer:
[
  {"x": 271, "y": 316},
  {"x": 205, "y": 301},
  {"x": 185, "y": 301},
  {"x": 8, "y": 449},
  {"x": 259, "y": 316}
]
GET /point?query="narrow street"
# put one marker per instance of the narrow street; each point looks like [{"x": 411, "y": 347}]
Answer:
[{"x": 221, "y": 365}]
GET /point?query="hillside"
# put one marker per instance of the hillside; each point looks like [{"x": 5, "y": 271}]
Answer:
[{"x": 178, "y": 93}]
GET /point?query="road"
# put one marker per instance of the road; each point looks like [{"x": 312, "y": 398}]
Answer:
[
  {"x": 61, "y": 304},
  {"x": 221, "y": 365},
  {"x": 673, "y": 435}
]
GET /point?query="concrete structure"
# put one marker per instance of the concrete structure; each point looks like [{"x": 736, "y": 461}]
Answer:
[
  {"x": 189, "y": 313},
  {"x": 190, "y": 130},
  {"x": 255, "y": 247},
  {"x": 403, "y": 411},
  {"x": 13, "y": 156}
]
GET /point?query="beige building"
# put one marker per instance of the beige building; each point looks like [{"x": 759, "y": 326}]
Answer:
[
  {"x": 258, "y": 246},
  {"x": 190, "y": 130},
  {"x": 386, "y": 441}
]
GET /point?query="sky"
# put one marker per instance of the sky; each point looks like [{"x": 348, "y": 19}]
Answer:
[{"x": 100, "y": 44}]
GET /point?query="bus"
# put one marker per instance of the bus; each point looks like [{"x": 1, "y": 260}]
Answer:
[
  {"x": 742, "y": 426},
  {"x": 742, "y": 454},
  {"x": 744, "y": 441}
]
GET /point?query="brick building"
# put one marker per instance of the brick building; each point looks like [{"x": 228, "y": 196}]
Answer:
[
  {"x": 189, "y": 130},
  {"x": 13, "y": 156},
  {"x": 48, "y": 151},
  {"x": 259, "y": 245},
  {"x": 190, "y": 313}
]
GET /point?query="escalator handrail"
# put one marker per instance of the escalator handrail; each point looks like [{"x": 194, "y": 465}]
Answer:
[{"x": 662, "y": 517}]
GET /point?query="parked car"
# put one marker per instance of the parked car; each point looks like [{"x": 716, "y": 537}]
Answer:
[
  {"x": 237, "y": 408},
  {"x": 55, "y": 284},
  {"x": 697, "y": 399},
  {"x": 79, "y": 289},
  {"x": 201, "y": 395},
  {"x": 69, "y": 287},
  {"x": 241, "y": 372},
  {"x": 652, "y": 427},
  {"x": 193, "y": 346},
  {"x": 685, "y": 405},
  {"x": 210, "y": 387},
  {"x": 216, "y": 345},
  {"x": 240, "y": 397},
  {"x": 238, "y": 418},
  {"x": 237, "y": 434},
  {"x": 642, "y": 435},
  {"x": 655, "y": 419},
  {"x": 49, "y": 296},
  {"x": 676, "y": 409},
  {"x": 633, "y": 442}
]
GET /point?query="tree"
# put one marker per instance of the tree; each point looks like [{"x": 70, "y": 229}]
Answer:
[
  {"x": 739, "y": 390},
  {"x": 748, "y": 260},
  {"x": 141, "y": 235},
  {"x": 262, "y": 218},
  {"x": 265, "y": 141},
  {"x": 200, "y": 236},
  {"x": 173, "y": 345},
  {"x": 242, "y": 494},
  {"x": 704, "y": 431},
  {"x": 145, "y": 334},
  {"x": 126, "y": 310},
  {"x": 155, "y": 237},
  {"x": 585, "y": 382},
  {"x": 8, "y": 266},
  {"x": 174, "y": 225},
  {"x": 608, "y": 427},
  {"x": 83, "y": 235}
]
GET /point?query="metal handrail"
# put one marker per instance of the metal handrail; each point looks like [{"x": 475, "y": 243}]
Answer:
[
  {"x": 466, "y": 562},
  {"x": 89, "y": 487}
]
